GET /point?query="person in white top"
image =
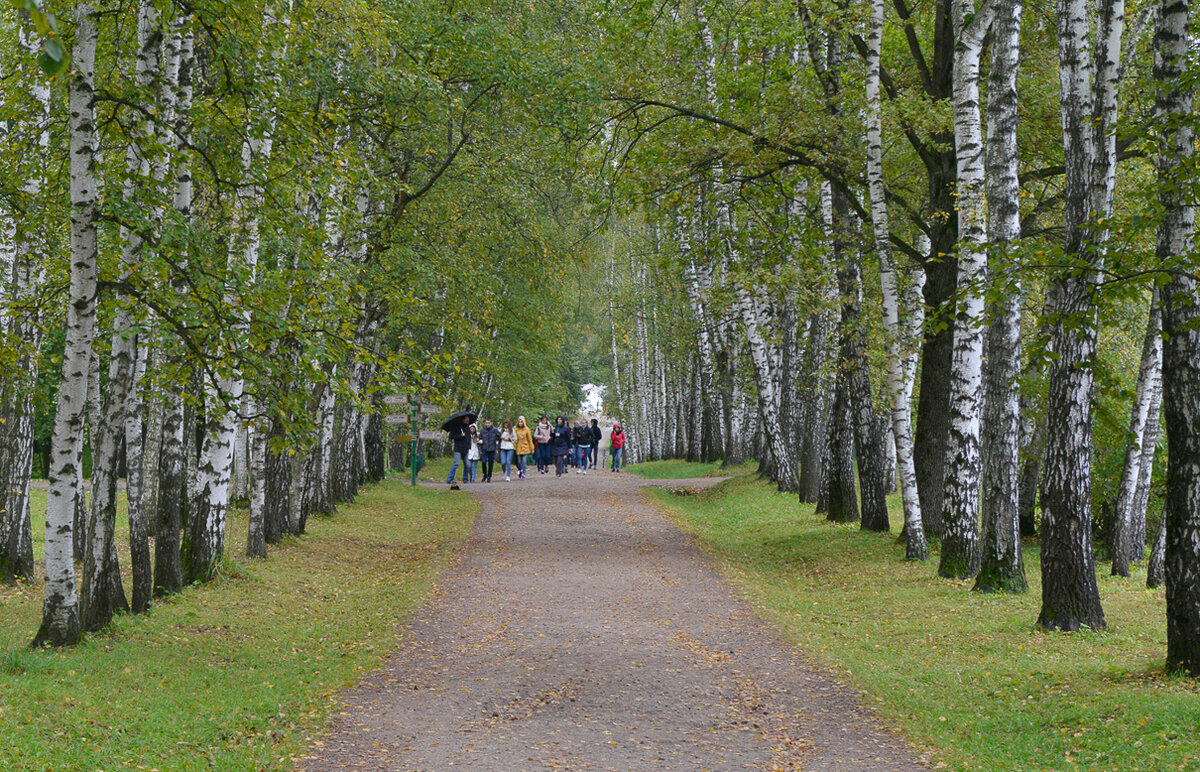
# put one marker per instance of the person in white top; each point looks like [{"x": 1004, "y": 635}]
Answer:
[
  {"x": 473, "y": 454},
  {"x": 508, "y": 444}
]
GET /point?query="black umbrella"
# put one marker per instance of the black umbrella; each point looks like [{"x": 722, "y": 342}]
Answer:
[{"x": 456, "y": 419}]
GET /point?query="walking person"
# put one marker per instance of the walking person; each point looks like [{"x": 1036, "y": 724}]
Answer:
[
  {"x": 616, "y": 446},
  {"x": 541, "y": 436},
  {"x": 560, "y": 445},
  {"x": 508, "y": 445},
  {"x": 460, "y": 438},
  {"x": 581, "y": 437},
  {"x": 525, "y": 445},
  {"x": 489, "y": 443},
  {"x": 597, "y": 434},
  {"x": 472, "y": 455}
]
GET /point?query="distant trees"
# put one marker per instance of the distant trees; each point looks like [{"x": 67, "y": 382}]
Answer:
[
  {"x": 731, "y": 118},
  {"x": 276, "y": 214}
]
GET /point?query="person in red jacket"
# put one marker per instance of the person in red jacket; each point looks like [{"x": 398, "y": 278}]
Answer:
[{"x": 616, "y": 446}]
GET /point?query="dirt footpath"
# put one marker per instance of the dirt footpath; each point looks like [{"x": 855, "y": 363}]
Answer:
[{"x": 579, "y": 629}]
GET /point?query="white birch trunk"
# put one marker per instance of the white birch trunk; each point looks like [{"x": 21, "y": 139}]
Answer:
[
  {"x": 1002, "y": 567},
  {"x": 899, "y": 395},
  {"x": 1173, "y": 46},
  {"x": 1149, "y": 385},
  {"x": 1070, "y": 595},
  {"x": 60, "y": 610},
  {"x": 240, "y": 485},
  {"x": 768, "y": 397},
  {"x": 256, "y": 154},
  {"x": 22, "y": 254},
  {"x": 960, "y": 507}
]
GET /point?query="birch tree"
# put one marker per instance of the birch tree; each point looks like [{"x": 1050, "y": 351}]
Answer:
[
  {"x": 1129, "y": 543},
  {"x": 103, "y": 593},
  {"x": 1181, "y": 329},
  {"x": 60, "y": 611},
  {"x": 901, "y": 416},
  {"x": 22, "y": 325},
  {"x": 1070, "y": 596},
  {"x": 1002, "y": 568},
  {"x": 960, "y": 542}
]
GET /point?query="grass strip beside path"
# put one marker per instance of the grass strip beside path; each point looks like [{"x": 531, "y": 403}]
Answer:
[
  {"x": 961, "y": 673},
  {"x": 237, "y": 674},
  {"x": 674, "y": 469}
]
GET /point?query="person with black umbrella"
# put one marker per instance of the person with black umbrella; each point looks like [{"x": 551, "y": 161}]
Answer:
[{"x": 458, "y": 427}]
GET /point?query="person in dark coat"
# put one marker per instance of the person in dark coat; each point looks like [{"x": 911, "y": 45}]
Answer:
[
  {"x": 460, "y": 436},
  {"x": 489, "y": 443},
  {"x": 597, "y": 435},
  {"x": 581, "y": 438},
  {"x": 560, "y": 445}
]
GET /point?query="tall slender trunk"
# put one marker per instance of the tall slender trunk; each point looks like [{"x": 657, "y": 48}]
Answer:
[
  {"x": 26, "y": 253},
  {"x": 841, "y": 499},
  {"x": 177, "y": 443},
  {"x": 1070, "y": 595},
  {"x": 103, "y": 593},
  {"x": 1129, "y": 544},
  {"x": 60, "y": 609},
  {"x": 239, "y": 486},
  {"x": 900, "y": 412},
  {"x": 1146, "y": 474},
  {"x": 962, "y": 471},
  {"x": 1181, "y": 331},
  {"x": 778, "y": 441},
  {"x": 1002, "y": 568},
  {"x": 257, "y": 148},
  {"x": 819, "y": 394},
  {"x": 852, "y": 361}
]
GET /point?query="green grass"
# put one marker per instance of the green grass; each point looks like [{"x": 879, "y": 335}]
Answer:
[
  {"x": 673, "y": 469},
  {"x": 962, "y": 674},
  {"x": 238, "y": 674}
]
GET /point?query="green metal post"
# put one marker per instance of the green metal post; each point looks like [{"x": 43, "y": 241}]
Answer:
[{"x": 412, "y": 457}]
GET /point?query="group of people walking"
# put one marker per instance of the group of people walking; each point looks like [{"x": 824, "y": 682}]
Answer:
[{"x": 559, "y": 445}]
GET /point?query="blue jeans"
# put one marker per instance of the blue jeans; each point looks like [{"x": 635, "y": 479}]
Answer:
[
  {"x": 458, "y": 459},
  {"x": 521, "y": 463},
  {"x": 506, "y": 459},
  {"x": 616, "y": 454},
  {"x": 469, "y": 469}
]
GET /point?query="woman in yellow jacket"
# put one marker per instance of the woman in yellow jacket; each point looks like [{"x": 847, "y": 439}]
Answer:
[{"x": 524, "y": 445}]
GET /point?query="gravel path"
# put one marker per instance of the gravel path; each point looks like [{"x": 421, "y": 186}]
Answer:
[{"x": 579, "y": 629}]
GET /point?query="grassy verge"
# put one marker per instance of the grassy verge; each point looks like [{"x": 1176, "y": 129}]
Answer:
[
  {"x": 960, "y": 673},
  {"x": 673, "y": 469},
  {"x": 238, "y": 674}
]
